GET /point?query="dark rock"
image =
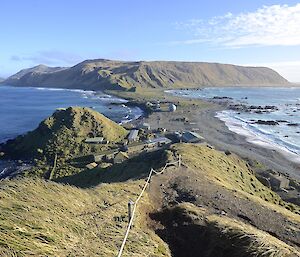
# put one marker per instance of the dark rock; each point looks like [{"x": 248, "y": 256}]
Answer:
[
  {"x": 222, "y": 98},
  {"x": 267, "y": 122},
  {"x": 227, "y": 152}
]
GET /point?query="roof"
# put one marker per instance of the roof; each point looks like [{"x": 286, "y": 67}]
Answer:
[
  {"x": 133, "y": 134},
  {"x": 279, "y": 178},
  {"x": 122, "y": 155},
  {"x": 159, "y": 140},
  {"x": 91, "y": 165},
  {"x": 189, "y": 135},
  {"x": 94, "y": 140},
  {"x": 144, "y": 125}
]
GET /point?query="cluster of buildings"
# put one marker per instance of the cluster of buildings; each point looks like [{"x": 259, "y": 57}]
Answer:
[{"x": 141, "y": 139}]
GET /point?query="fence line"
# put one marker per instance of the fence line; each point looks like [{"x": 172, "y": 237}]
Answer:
[
  {"x": 140, "y": 196},
  {"x": 54, "y": 167}
]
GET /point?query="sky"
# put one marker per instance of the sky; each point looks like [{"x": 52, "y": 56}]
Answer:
[{"x": 65, "y": 32}]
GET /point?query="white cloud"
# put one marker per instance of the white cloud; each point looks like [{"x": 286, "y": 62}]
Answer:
[
  {"x": 49, "y": 57},
  {"x": 269, "y": 25}
]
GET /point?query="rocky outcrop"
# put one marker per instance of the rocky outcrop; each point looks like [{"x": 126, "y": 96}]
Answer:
[{"x": 267, "y": 122}]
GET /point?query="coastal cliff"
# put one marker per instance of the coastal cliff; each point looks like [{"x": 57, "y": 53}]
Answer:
[{"x": 101, "y": 74}]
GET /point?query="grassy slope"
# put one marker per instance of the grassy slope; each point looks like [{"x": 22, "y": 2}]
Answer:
[
  {"x": 220, "y": 235},
  {"x": 234, "y": 174},
  {"x": 107, "y": 74},
  {"x": 64, "y": 134},
  {"x": 47, "y": 219}
]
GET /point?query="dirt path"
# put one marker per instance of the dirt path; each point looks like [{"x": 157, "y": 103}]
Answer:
[{"x": 187, "y": 185}]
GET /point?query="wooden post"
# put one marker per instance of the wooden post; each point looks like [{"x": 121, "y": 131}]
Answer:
[
  {"x": 149, "y": 184},
  {"x": 53, "y": 169},
  {"x": 130, "y": 204},
  {"x": 179, "y": 160}
]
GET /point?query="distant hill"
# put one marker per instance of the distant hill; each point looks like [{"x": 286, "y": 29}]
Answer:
[
  {"x": 106, "y": 74},
  {"x": 2, "y": 79},
  {"x": 39, "y": 69}
]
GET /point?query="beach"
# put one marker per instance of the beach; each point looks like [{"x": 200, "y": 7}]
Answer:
[{"x": 217, "y": 134}]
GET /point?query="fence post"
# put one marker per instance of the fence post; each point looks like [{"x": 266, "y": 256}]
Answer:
[
  {"x": 179, "y": 160},
  {"x": 130, "y": 204},
  {"x": 54, "y": 167},
  {"x": 149, "y": 183}
]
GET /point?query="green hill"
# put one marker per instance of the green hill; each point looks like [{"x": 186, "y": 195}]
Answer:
[
  {"x": 120, "y": 75},
  {"x": 64, "y": 134}
]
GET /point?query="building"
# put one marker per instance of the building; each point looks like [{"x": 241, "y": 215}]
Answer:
[
  {"x": 133, "y": 135},
  {"x": 94, "y": 140},
  {"x": 278, "y": 182},
  {"x": 159, "y": 141},
  {"x": 121, "y": 157},
  {"x": 156, "y": 107},
  {"x": 91, "y": 165},
  {"x": 172, "y": 107},
  {"x": 145, "y": 126},
  {"x": 191, "y": 137}
]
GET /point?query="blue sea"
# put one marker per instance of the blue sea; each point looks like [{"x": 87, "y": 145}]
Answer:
[
  {"x": 281, "y": 137},
  {"x": 23, "y": 108}
]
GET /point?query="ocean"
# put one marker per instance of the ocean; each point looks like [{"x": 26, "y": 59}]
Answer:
[
  {"x": 23, "y": 108},
  {"x": 284, "y": 136}
]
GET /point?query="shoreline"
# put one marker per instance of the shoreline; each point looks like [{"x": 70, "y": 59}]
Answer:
[
  {"x": 257, "y": 139},
  {"x": 203, "y": 120},
  {"x": 217, "y": 134}
]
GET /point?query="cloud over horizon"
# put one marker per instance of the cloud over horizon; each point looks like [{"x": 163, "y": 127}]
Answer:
[
  {"x": 276, "y": 25},
  {"x": 49, "y": 57}
]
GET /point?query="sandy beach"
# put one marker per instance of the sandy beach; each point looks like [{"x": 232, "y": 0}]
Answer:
[{"x": 218, "y": 135}]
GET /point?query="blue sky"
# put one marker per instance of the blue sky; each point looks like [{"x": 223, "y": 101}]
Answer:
[{"x": 63, "y": 33}]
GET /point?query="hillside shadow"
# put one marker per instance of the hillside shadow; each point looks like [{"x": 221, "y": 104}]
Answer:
[{"x": 135, "y": 168}]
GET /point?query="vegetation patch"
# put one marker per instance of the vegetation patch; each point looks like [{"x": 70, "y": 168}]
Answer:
[
  {"x": 63, "y": 135},
  {"x": 39, "y": 218},
  {"x": 234, "y": 174},
  {"x": 190, "y": 231}
]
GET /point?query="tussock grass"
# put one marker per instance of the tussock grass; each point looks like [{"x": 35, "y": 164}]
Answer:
[
  {"x": 245, "y": 238},
  {"x": 234, "y": 174},
  {"x": 64, "y": 134},
  {"x": 44, "y": 218},
  {"x": 255, "y": 242}
]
